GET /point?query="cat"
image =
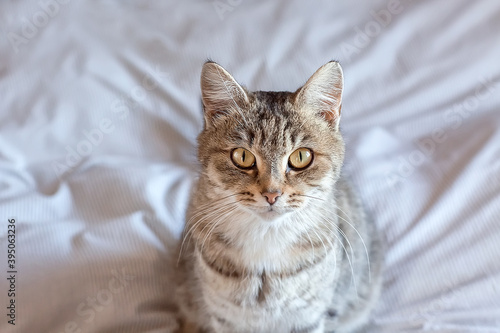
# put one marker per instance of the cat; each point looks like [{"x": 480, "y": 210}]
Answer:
[{"x": 275, "y": 239}]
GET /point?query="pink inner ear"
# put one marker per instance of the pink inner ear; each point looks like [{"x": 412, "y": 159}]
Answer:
[
  {"x": 216, "y": 114},
  {"x": 329, "y": 116},
  {"x": 332, "y": 115}
]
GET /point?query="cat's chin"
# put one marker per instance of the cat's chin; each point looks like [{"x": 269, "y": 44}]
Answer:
[{"x": 271, "y": 213}]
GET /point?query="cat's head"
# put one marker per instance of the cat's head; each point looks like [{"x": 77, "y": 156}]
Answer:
[{"x": 271, "y": 152}]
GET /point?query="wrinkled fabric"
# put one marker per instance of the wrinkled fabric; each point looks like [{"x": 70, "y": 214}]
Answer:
[{"x": 99, "y": 112}]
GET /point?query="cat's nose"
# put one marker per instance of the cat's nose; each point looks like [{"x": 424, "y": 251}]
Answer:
[{"x": 271, "y": 196}]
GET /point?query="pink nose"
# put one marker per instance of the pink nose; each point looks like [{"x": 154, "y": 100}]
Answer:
[{"x": 271, "y": 196}]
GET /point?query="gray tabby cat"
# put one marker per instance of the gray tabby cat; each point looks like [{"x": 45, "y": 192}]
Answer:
[{"x": 275, "y": 240}]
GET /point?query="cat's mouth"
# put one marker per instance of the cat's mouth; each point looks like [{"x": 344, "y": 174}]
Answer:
[
  {"x": 270, "y": 213},
  {"x": 270, "y": 210}
]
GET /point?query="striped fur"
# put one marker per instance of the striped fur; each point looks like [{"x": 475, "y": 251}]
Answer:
[{"x": 309, "y": 263}]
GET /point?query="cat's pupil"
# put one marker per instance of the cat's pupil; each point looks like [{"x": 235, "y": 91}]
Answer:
[
  {"x": 243, "y": 157},
  {"x": 300, "y": 156}
]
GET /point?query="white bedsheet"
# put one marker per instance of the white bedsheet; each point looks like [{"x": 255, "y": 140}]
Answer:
[{"x": 99, "y": 111}]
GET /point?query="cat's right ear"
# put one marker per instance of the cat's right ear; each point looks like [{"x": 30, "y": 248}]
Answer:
[
  {"x": 322, "y": 93},
  {"x": 220, "y": 93}
]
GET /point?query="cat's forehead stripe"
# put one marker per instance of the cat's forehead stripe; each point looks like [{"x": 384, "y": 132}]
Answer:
[
  {"x": 280, "y": 133},
  {"x": 272, "y": 103}
]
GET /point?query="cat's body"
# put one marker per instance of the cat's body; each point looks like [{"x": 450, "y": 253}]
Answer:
[{"x": 275, "y": 239}]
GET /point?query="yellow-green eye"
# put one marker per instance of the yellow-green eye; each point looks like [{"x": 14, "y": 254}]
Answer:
[
  {"x": 301, "y": 158},
  {"x": 242, "y": 158}
]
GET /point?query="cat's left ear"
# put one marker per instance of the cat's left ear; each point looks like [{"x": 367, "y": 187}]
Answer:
[{"x": 322, "y": 93}]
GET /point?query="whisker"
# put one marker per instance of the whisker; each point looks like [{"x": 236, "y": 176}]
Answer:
[
  {"x": 209, "y": 218},
  {"x": 353, "y": 278},
  {"x": 216, "y": 212},
  {"x": 209, "y": 207},
  {"x": 360, "y": 237},
  {"x": 345, "y": 250},
  {"x": 211, "y": 203},
  {"x": 217, "y": 222},
  {"x": 211, "y": 211},
  {"x": 312, "y": 245},
  {"x": 321, "y": 240},
  {"x": 352, "y": 226},
  {"x": 212, "y": 208}
]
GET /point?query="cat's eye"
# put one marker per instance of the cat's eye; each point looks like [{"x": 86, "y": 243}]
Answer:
[
  {"x": 300, "y": 159},
  {"x": 242, "y": 158}
]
